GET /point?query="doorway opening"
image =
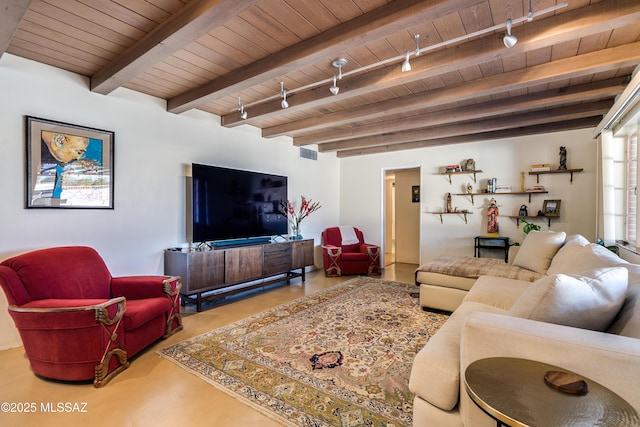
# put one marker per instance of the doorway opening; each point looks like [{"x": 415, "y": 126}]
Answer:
[{"x": 401, "y": 224}]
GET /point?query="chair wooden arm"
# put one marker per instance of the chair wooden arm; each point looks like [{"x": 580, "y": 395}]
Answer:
[{"x": 109, "y": 324}]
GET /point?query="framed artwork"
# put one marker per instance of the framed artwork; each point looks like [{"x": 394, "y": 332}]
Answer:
[
  {"x": 551, "y": 208},
  {"x": 68, "y": 166},
  {"x": 415, "y": 193}
]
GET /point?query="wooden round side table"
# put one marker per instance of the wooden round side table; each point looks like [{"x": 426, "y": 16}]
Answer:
[{"x": 514, "y": 393}]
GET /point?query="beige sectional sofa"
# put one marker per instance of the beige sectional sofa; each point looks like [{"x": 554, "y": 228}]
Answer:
[{"x": 582, "y": 315}]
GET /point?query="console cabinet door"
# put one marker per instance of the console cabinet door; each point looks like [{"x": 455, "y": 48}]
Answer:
[
  {"x": 302, "y": 253},
  {"x": 243, "y": 264}
]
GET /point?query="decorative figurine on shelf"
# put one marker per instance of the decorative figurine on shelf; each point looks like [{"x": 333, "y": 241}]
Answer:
[
  {"x": 492, "y": 217},
  {"x": 469, "y": 188},
  {"x": 468, "y": 165},
  {"x": 563, "y": 158},
  {"x": 523, "y": 211},
  {"x": 448, "y": 208}
]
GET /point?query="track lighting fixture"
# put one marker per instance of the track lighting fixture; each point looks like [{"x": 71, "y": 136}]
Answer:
[
  {"x": 243, "y": 112},
  {"x": 509, "y": 40},
  {"x": 283, "y": 94},
  {"x": 406, "y": 65},
  {"x": 339, "y": 63},
  {"x": 334, "y": 89}
]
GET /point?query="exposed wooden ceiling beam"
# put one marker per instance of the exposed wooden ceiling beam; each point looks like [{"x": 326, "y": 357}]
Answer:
[
  {"x": 537, "y": 101},
  {"x": 583, "y": 22},
  {"x": 581, "y": 65},
  {"x": 11, "y": 13},
  {"x": 383, "y": 21},
  {"x": 570, "y": 112},
  {"x": 583, "y": 123},
  {"x": 192, "y": 22}
]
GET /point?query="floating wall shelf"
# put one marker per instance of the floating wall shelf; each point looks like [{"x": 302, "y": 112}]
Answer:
[
  {"x": 473, "y": 172},
  {"x": 518, "y": 218},
  {"x": 569, "y": 171},
  {"x": 464, "y": 214},
  {"x": 498, "y": 194}
]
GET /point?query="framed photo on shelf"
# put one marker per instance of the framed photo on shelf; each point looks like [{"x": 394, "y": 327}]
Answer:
[
  {"x": 68, "y": 166},
  {"x": 551, "y": 208}
]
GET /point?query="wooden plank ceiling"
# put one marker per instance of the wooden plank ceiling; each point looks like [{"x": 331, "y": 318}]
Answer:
[{"x": 465, "y": 85}]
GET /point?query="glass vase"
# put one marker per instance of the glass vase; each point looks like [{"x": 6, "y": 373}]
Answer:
[{"x": 295, "y": 232}]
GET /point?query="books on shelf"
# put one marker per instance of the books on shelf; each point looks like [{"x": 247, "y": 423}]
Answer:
[
  {"x": 536, "y": 189},
  {"x": 540, "y": 167},
  {"x": 453, "y": 168},
  {"x": 502, "y": 189}
]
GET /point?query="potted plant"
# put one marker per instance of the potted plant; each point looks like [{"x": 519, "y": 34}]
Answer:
[{"x": 527, "y": 226}]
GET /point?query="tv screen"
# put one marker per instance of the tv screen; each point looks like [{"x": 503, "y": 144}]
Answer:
[{"x": 234, "y": 204}]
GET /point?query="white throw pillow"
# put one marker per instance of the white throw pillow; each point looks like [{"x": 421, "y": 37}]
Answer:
[
  {"x": 589, "y": 300},
  {"x": 537, "y": 250},
  {"x": 571, "y": 259}
]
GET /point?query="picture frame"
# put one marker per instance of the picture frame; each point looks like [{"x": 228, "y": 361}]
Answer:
[
  {"x": 415, "y": 193},
  {"x": 68, "y": 166},
  {"x": 551, "y": 208}
]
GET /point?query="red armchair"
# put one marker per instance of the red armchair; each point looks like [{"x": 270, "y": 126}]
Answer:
[
  {"x": 345, "y": 252},
  {"x": 76, "y": 321}
]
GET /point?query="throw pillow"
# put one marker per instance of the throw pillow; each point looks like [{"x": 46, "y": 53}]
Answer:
[
  {"x": 537, "y": 250},
  {"x": 571, "y": 259},
  {"x": 589, "y": 300}
]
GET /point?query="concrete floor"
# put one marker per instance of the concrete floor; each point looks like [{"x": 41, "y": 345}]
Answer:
[{"x": 154, "y": 391}]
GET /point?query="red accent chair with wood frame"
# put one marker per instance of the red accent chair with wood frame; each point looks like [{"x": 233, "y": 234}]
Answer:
[
  {"x": 76, "y": 321},
  {"x": 348, "y": 255}
]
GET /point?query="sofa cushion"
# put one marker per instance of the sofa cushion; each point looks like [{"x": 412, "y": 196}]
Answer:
[
  {"x": 538, "y": 249},
  {"x": 590, "y": 300},
  {"x": 435, "y": 373},
  {"x": 497, "y": 291}
]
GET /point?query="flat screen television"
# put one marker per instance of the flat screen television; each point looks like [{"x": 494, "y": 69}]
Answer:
[{"x": 230, "y": 204}]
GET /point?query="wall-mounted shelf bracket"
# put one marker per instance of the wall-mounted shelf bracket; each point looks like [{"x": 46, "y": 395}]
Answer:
[
  {"x": 569, "y": 171},
  {"x": 473, "y": 172},
  {"x": 464, "y": 215}
]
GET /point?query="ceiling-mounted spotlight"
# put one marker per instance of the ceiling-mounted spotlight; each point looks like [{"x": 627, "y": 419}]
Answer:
[
  {"x": 417, "y": 38},
  {"x": 406, "y": 65},
  {"x": 283, "y": 94},
  {"x": 243, "y": 112},
  {"x": 334, "y": 89},
  {"x": 530, "y": 14},
  {"x": 509, "y": 40},
  {"x": 339, "y": 63}
]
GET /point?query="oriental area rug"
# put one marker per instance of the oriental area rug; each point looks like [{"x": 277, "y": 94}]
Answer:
[{"x": 340, "y": 357}]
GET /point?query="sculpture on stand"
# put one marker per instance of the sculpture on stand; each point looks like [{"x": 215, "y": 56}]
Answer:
[
  {"x": 449, "y": 208},
  {"x": 492, "y": 217},
  {"x": 563, "y": 158}
]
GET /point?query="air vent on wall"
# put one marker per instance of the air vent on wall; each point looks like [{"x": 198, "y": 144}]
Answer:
[{"x": 306, "y": 153}]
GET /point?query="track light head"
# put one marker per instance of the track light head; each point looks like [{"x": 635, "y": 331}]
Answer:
[
  {"x": 406, "y": 65},
  {"x": 283, "y": 93},
  {"x": 417, "y": 38},
  {"x": 530, "y": 14},
  {"x": 243, "y": 112},
  {"x": 334, "y": 89},
  {"x": 509, "y": 40}
]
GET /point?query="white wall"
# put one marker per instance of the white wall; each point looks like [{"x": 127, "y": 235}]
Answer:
[
  {"x": 362, "y": 182},
  {"x": 153, "y": 153}
]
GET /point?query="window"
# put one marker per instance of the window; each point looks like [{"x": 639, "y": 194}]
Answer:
[{"x": 631, "y": 189}]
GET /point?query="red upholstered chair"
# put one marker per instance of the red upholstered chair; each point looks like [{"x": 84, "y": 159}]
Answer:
[
  {"x": 345, "y": 252},
  {"x": 76, "y": 321}
]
